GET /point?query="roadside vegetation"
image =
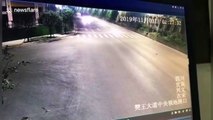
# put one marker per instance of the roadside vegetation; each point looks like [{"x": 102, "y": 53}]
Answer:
[
  {"x": 49, "y": 23},
  {"x": 169, "y": 30},
  {"x": 9, "y": 67}
]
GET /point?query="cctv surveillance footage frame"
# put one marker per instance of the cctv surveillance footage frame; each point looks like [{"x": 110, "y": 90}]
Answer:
[{"x": 63, "y": 62}]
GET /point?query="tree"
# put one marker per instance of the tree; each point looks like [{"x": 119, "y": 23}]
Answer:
[
  {"x": 50, "y": 19},
  {"x": 67, "y": 16},
  {"x": 164, "y": 27},
  {"x": 114, "y": 15},
  {"x": 26, "y": 21},
  {"x": 103, "y": 13},
  {"x": 95, "y": 12},
  {"x": 183, "y": 27},
  {"x": 108, "y": 14}
]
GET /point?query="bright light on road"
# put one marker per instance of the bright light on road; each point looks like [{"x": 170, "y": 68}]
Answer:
[
  {"x": 116, "y": 31},
  {"x": 86, "y": 20},
  {"x": 102, "y": 23},
  {"x": 58, "y": 6}
]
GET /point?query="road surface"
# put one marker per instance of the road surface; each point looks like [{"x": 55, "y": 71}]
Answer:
[{"x": 100, "y": 74}]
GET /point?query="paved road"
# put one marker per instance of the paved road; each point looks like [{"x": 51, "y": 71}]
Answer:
[{"x": 100, "y": 74}]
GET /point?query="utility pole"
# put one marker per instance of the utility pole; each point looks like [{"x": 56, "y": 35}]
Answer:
[
  {"x": 36, "y": 13},
  {"x": 9, "y": 13},
  {"x": 1, "y": 66},
  {"x": 211, "y": 38}
]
